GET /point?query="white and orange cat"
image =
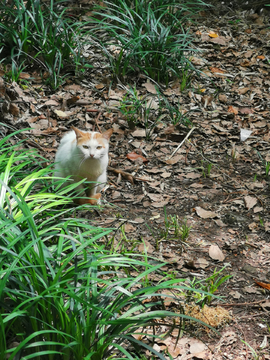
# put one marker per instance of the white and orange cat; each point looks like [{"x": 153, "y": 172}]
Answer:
[{"x": 84, "y": 155}]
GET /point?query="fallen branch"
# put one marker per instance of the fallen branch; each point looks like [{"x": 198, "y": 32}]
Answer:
[
  {"x": 244, "y": 304},
  {"x": 126, "y": 175},
  {"x": 178, "y": 147}
]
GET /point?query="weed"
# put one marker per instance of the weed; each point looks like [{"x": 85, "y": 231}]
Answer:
[
  {"x": 14, "y": 73},
  {"x": 254, "y": 354},
  {"x": 138, "y": 110},
  {"x": 131, "y": 107},
  {"x": 176, "y": 116},
  {"x": 265, "y": 163},
  {"x": 206, "y": 171},
  {"x": 41, "y": 35},
  {"x": 267, "y": 167},
  {"x": 145, "y": 32},
  {"x": 184, "y": 231},
  {"x": 261, "y": 221},
  {"x": 208, "y": 287},
  {"x": 173, "y": 229},
  {"x": 62, "y": 295}
]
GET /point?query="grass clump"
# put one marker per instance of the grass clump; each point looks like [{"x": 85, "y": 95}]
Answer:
[
  {"x": 62, "y": 295},
  {"x": 149, "y": 37},
  {"x": 40, "y": 34}
]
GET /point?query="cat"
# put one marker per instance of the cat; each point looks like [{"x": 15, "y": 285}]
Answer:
[{"x": 84, "y": 155}]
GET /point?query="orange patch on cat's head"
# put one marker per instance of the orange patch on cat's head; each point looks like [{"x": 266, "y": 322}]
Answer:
[{"x": 81, "y": 136}]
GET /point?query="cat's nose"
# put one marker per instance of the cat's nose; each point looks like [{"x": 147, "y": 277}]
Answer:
[{"x": 92, "y": 155}]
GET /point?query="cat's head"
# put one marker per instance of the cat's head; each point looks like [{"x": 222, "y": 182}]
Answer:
[{"x": 93, "y": 144}]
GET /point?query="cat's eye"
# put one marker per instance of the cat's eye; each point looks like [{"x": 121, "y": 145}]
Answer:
[
  {"x": 99, "y": 147},
  {"x": 85, "y": 146}
]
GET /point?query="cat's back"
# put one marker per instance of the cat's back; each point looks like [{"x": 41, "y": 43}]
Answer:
[{"x": 68, "y": 139}]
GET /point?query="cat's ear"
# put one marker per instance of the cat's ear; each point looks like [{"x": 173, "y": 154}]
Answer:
[
  {"x": 79, "y": 133},
  {"x": 107, "y": 134}
]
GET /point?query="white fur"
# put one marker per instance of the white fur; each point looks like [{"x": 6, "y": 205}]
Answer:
[{"x": 74, "y": 161}]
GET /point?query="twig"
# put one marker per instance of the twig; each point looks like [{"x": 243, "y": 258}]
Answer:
[
  {"x": 178, "y": 147},
  {"x": 244, "y": 304},
  {"x": 96, "y": 120},
  {"x": 126, "y": 175}
]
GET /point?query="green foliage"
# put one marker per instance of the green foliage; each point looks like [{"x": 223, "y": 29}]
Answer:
[
  {"x": 175, "y": 115},
  {"x": 265, "y": 164},
  {"x": 138, "y": 111},
  {"x": 173, "y": 229},
  {"x": 206, "y": 170},
  {"x": 150, "y": 37},
  {"x": 208, "y": 286},
  {"x": 62, "y": 295},
  {"x": 41, "y": 34}
]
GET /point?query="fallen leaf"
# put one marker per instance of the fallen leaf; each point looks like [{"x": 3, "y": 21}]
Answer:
[
  {"x": 155, "y": 197},
  {"x": 146, "y": 246},
  {"x": 263, "y": 285},
  {"x": 201, "y": 263},
  {"x": 221, "y": 40},
  {"x": 245, "y": 63},
  {"x": 175, "y": 159},
  {"x": 250, "y": 202},
  {"x": 235, "y": 294},
  {"x": 99, "y": 86},
  {"x": 196, "y": 346},
  {"x": 150, "y": 87},
  {"x": 160, "y": 204},
  {"x": 246, "y": 110},
  {"x": 61, "y": 113},
  {"x": 72, "y": 100},
  {"x": 215, "y": 253},
  {"x": 192, "y": 176},
  {"x": 205, "y": 214},
  {"x": 139, "y": 133},
  {"x": 134, "y": 156},
  {"x": 24, "y": 76},
  {"x": 165, "y": 175},
  {"x": 232, "y": 110},
  {"x": 216, "y": 70},
  {"x": 14, "y": 110},
  {"x": 51, "y": 102},
  {"x": 212, "y": 34},
  {"x": 243, "y": 91},
  {"x": 129, "y": 228}
]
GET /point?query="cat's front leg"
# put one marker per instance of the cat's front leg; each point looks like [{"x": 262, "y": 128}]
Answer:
[{"x": 94, "y": 198}]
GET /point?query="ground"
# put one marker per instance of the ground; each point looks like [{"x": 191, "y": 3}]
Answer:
[{"x": 216, "y": 182}]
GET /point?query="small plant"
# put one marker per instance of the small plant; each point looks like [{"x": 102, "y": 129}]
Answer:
[
  {"x": 173, "y": 229},
  {"x": 253, "y": 352},
  {"x": 209, "y": 286},
  {"x": 206, "y": 171},
  {"x": 138, "y": 111},
  {"x": 41, "y": 35},
  {"x": 234, "y": 22},
  {"x": 150, "y": 35},
  {"x": 184, "y": 231},
  {"x": 266, "y": 165},
  {"x": 176, "y": 116},
  {"x": 14, "y": 73},
  {"x": 131, "y": 106},
  {"x": 62, "y": 295}
]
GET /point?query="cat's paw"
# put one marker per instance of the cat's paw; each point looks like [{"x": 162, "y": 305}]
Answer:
[{"x": 95, "y": 199}]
